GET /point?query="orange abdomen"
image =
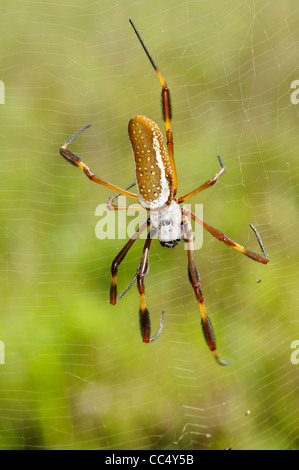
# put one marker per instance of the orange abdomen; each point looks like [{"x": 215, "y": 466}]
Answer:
[{"x": 152, "y": 168}]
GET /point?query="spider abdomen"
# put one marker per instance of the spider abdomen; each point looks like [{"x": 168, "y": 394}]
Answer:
[{"x": 152, "y": 168}]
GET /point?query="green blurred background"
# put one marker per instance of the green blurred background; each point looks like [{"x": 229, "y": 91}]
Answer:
[{"x": 76, "y": 373}]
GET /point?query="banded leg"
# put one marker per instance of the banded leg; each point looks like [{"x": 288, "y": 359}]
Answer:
[
  {"x": 112, "y": 207},
  {"x": 75, "y": 160},
  {"x": 144, "y": 315},
  {"x": 166, "y": 108},
  {"x": 116, "y": 262},
  {"x": 195, "y": 282},
  {"x": 229, "y": 242},
  {"x": 205, "y": 185}
]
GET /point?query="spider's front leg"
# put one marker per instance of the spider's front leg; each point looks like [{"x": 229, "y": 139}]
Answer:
[
  {"x": 112, "y": 207},
  {"x": 75, "y": 160},
  {"x": 144, "y": 315},
  {"x": 205, "y": 185},
  {"x": 195, "y": 282}
]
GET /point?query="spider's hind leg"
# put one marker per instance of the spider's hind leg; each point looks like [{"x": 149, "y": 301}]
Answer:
[
  {"x": 118, "y": 259},
  {"x": 195, "y": 282},
  {"x": 144, "y": 315}
]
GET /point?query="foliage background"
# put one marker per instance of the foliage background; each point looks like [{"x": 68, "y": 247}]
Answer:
[{"x": 76, "y": 373}]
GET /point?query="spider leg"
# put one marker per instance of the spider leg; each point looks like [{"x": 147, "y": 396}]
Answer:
[
  {"x": 120, "y": 296},
  {"x": 75, "y": 160},
  {"x": 195, "y": 282},
  {"x": 112, "y": 207},
  {"x": 229, "y": 242},
  {"x": 166, "y": 108},
  {"x": 144, "y": 315},
  {"x": 205, "y": 185},
  {"x": 118, "y": 259}
]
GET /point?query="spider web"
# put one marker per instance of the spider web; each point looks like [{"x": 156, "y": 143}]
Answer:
[{"x": 76, "y": 373}]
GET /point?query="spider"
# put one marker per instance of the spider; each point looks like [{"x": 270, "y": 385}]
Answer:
[{"x": 156, "y": 184}]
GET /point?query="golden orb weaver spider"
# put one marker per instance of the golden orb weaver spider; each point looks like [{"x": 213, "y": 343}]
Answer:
[{"x": 156, "y": 184}]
